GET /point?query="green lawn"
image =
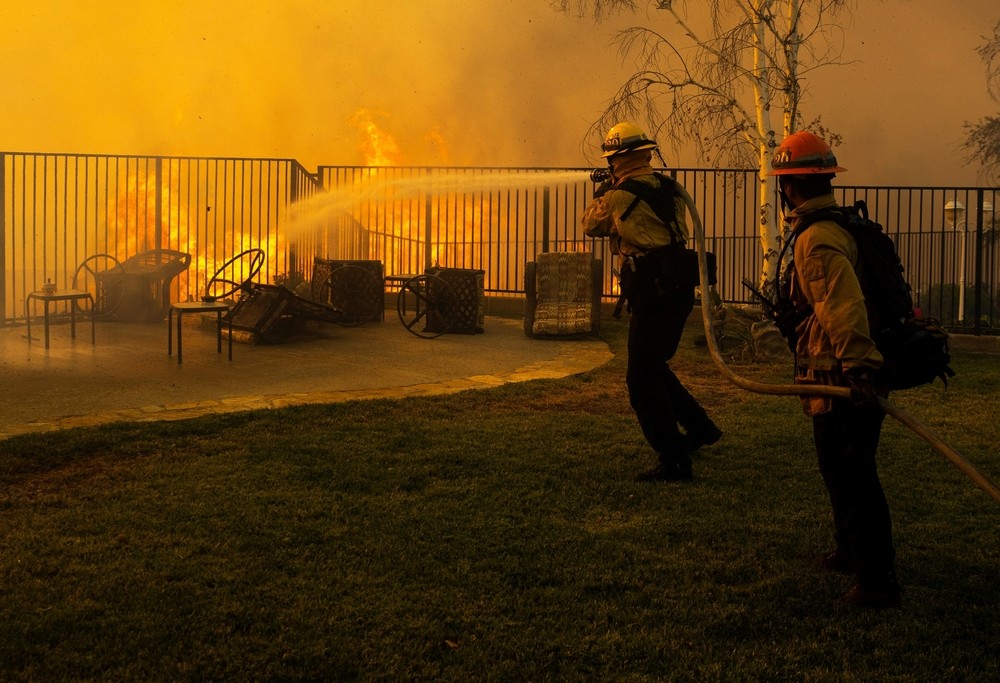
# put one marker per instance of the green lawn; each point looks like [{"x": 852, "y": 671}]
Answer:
[{"x": 493, "y": 535}]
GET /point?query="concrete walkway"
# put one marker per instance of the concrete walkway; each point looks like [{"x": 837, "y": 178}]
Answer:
[{"x": 127, "y": 375}]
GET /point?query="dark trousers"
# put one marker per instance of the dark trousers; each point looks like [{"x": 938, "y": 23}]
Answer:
[
  {"x": 846, "y": 441},
  {"x": 659, "y": 399}
]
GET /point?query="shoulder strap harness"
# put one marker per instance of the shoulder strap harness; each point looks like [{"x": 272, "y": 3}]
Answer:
[{"x": 661, "y": 200}]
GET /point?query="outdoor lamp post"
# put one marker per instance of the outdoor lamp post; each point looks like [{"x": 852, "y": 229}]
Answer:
[{"x": 954, "y": 212}]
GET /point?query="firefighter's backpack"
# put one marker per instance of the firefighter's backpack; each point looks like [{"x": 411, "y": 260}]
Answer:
[
  {"x": 914, "y": 347},
  {"x": 663, "y": 201}
]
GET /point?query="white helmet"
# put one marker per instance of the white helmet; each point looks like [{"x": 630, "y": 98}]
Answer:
[{"x": 625, "y": 137}]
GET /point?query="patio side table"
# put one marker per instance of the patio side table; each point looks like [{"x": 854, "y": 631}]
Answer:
[
  {"x": 217, "y": 307},
  {"x": 71, "y": 295}
]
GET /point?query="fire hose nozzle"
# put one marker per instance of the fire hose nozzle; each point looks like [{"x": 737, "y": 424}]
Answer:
[{"x": 600, "y": 175}]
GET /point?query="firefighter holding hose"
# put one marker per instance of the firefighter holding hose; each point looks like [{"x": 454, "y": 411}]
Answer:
[
  {"x": 833, "y": 347},
  {"x": 639, "y": 212}
]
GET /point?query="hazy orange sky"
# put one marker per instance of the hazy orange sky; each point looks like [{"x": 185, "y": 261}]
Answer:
[{"x": 457, "y": 82}]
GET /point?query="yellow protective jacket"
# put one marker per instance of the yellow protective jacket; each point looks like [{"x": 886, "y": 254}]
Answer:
[
  {"x": 641, "y": 231},
  {"x": 835, "y": 337}
]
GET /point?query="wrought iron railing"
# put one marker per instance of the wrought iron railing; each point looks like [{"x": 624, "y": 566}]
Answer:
[{"x": 56, "y": 210}]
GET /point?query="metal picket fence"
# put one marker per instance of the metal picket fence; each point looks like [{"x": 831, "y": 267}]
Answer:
[{"x": 57, "y": 210}]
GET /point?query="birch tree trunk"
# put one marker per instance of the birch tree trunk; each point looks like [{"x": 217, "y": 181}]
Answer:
[{"x": 768, "y": 230}]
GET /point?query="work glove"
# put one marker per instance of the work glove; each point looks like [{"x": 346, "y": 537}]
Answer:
[
  {"x": 602, "y": 189},
  {"x": 863, "y": 393},
  {"x": 787, "y": 320}
]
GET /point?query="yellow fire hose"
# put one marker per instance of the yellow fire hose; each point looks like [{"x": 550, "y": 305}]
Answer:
[{"x": 921, "y": 430}]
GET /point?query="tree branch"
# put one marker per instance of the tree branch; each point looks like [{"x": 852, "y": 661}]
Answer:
[{"x": 990, "y": 53}]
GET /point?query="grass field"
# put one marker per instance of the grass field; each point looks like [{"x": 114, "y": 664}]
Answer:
[{"x": 491, "y": 535}]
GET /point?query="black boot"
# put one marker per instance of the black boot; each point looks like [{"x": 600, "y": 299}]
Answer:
[
  {"x": 882, "y": 592},
  {"x": 667, "y": 471},
  {"x": 705, "y": 435}
]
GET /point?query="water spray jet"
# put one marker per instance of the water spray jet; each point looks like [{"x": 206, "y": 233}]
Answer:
[{"x": 312, "y": 213}]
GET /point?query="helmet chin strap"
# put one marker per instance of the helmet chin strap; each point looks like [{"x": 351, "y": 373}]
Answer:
[
  {"x": 785, "y": 204},
  {"x": 611, "y": 170}
]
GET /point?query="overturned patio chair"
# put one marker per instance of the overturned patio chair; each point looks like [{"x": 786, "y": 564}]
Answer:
[
  {"x": 345, "y": 293},
  {"x": 562, "y": 295}
]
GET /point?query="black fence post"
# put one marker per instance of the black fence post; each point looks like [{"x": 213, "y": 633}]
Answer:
[
  {"x": 428, "y": 247},
  {"x": 545, "y": 219},
  {"x": 977, "y": 307},
  {"x": 3, "y": 238},
  {"x": 294, "y": 191},
  {"x": 158, "y": 203}
]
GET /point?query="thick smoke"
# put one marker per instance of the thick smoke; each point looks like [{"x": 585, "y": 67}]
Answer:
[{"x": 453, "y": 83}]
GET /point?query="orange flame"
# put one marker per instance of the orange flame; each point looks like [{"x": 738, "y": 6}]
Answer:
[
  {"x": 378, "y": 147},
  {"x": 135, "y": 227}
]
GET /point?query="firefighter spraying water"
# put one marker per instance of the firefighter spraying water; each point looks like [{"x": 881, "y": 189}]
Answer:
[{"x": 640, "y": 213}]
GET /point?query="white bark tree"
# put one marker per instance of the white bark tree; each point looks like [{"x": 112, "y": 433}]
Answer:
[{"x": 733, "y": 88}]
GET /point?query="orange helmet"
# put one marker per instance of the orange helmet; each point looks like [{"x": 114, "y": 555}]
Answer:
[{"x": 804, "y": 153}]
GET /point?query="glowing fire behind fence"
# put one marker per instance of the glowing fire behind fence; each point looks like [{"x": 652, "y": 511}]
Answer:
[
  {"x": 148, "y": 215},
  {"x": 59, "y": 210}
]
